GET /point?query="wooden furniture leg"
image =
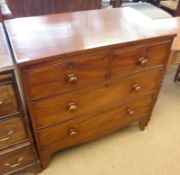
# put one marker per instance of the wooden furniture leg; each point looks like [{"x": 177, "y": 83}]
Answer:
[
  {"x": 116, "y": 3},
  {"x": 177, "y": 76}
]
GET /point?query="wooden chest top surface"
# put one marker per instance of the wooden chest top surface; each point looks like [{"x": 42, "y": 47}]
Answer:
[
  {"x": 35, "y": 38},
  {"x": 5, "y": 58}
]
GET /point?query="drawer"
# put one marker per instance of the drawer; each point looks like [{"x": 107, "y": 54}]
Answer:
[
  {"x": 64, "y": 107},
  {"x": 78, "y": 71},
  {"x": 15, "y": 159},
  {"x": 139, "y": 59},
  {"x": 11, "y": 131},
  {"x": 8, "y": 101},
  {"x": 90, "y": 127}
]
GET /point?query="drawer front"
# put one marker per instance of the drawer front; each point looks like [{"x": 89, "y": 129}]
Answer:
[
  {"x": 139, "y": 59},
  {"x": 66, "y": 76},
  {"x": 90, "y": 127},
  {"x": 8, "y": 101},
  {"x": 11, "y": 131},
  {"x": 16, "y": 159},
  {"x": 86, "y": 100}
]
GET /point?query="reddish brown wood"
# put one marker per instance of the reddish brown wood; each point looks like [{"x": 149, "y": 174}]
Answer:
[
  {"x": 177, "y": 76},
  {"x": 21, "y": 8},
  {"x": 14, "y": 159},
  {"x": 93, "y": 98},
  {"x": 92, "y": 126},
  {"x": 177, "y": 12},
  {"x": 91, "y": 76},
  {"x": 81, "y": 37},
  {"x": 116, "y": 3},
  {"x": 12, "y": 131},
  {"x": 139, "y": 58},
  {"x": 15, "y": 135},
  {"x": 75, "y": 72},
  {"x": 8, "y": 102},
  {"x": 34, "y": 168}
]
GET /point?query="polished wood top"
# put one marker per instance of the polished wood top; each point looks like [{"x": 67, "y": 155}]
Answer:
[
  {"x": 172, "y": 24},
  {"x": 35, "y": 38},
  {"x": 5, "y": 58}
]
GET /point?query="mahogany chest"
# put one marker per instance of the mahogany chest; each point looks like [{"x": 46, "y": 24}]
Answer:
[
  {"x": 87, "y": 74},
  {"x": 17, "y": 151}
]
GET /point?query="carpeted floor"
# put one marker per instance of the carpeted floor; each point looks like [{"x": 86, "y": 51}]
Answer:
[{"x": 155, "y": 151}]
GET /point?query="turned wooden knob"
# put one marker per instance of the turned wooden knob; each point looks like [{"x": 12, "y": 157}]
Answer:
[
  {"x": 142, "y": 61},
  {"x": 1, "y": 102},
  {"x": 72, "y": 132},
  {"x": 72, "y": 107},
  {"x": 72, "y": 78},
  {"x": 130, "y": 111},
  {"x": 136, "y": 87}
]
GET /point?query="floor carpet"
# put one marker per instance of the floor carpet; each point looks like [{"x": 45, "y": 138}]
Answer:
[{"x": 155, "y": 151}]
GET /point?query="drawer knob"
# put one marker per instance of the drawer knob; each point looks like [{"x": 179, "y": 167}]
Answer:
[
  {"x": 72, "y": 78},
  {"x": 130, "y": 111},
  {"x": 10, "y": 132},
  {"x": 72, "y": 107},
  {"x": 136, "y": 87},
  {"x": 142, "y": 61},
  {"x": 19, "y": 161},
  {"x": 1, "y": 102},
  {"x": 72, "y": 132}
]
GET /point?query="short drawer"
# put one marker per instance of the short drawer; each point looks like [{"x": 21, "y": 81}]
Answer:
[
  {"x": 64, "y": 107},
  {"x": 12, "y": 130},
  {"x": 14, "y": 159},
  {"x": 8, "y": 100},
  {"x": 87, "y": 128},
  {"x": 139, "y": 59},
  {"x": 78, "y": 71}
]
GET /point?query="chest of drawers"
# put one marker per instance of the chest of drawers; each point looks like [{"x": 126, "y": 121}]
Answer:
[
  {"x": 85, "y": 75},
  {"x": 17, "y": 151}
]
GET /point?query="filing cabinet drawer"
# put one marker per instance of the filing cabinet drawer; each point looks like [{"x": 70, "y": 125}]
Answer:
[
  {"x": 63, "y": 107},
  {"x": 139, "y": 59},
  {"x": 15, "y": 159},
  {"x": 12, "y": 130},
  {"x": 89, "y": 127},
  {"x": 62, "y": 77},
  {"x": 8, "y": 101}
]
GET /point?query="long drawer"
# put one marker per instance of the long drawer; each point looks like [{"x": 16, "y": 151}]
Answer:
[
  {"x": 12, "y": 160},
  {"x": 8, "y": 101},
  {"x": 64, "y": 107},
  {"x": 79, "y": 71},
  {"x": 89, "y": 127},
  {"x": 12, "y": 130}
]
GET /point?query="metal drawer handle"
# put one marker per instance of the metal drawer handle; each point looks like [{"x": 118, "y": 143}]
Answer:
[
  {"x": 142, "y": 61},
  {"x": 136, "y": 87},
  {"x": 130, "y": 111},
  {"x": 72, "y": 107},
  {"x": 10, "y": 132},
  {"x": 16, "y": 164},
  {"x": 72, "y": 132},
  {"x": 72, "y": 78}
]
